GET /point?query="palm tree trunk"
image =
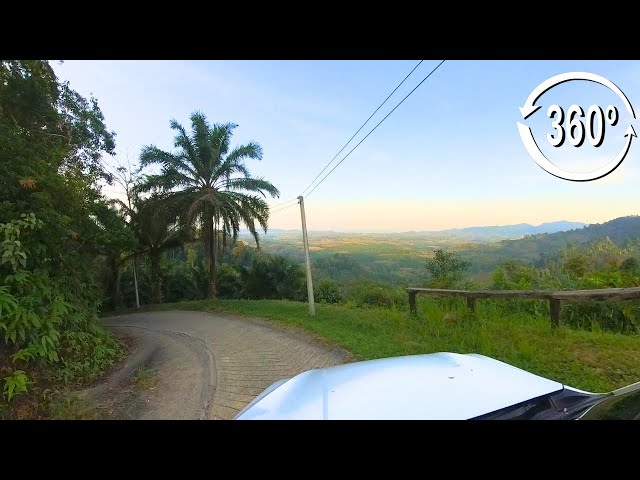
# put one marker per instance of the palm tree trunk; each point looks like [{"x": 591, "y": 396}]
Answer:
[
  {"x": 214, "y": 274},
  {"x": 209, "y": 251},
  {"x": 157, "y": 278}
]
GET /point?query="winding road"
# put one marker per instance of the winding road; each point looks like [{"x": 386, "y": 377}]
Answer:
[{"x": 210, "y": 366}]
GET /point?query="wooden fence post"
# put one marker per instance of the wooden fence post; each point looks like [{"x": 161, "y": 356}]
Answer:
[
  {"x": 471, "y": 303},
  {"x": 412, "y": 303},
  {"x": 555, "y": 298},
  {"x": 555, "y": 305}
]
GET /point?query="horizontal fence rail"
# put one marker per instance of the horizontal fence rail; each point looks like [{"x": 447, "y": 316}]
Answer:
[{"x": 554, "y": 297}]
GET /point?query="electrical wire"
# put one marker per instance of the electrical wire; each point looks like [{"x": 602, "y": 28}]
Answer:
[
  {"x": 281, "y": 209},
  {"x": 362, "y": 126},
  {"x": 374, "y": 128},
  {"x": 283, "y": 203},
  {"x": 281, "y": 206}
]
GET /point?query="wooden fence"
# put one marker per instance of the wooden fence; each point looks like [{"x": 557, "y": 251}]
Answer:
[{"x": 554, "y": 298}]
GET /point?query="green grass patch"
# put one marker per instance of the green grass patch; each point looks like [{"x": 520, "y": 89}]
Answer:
[
  {"x": 73, "y": 406},
  {"x": 596, "y": 361},
  {"x": 145, "y": 378}
]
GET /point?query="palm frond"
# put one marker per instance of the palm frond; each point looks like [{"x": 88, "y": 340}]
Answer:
[
  {"x": 151, "y": 154},
  {"x": 182, "y": 140},
  {"x": 251, "y": 150},
  {"x": 220, "y": 140},
  {"x": 203, "y": 148},
  {"x": 251, "y": 184}
]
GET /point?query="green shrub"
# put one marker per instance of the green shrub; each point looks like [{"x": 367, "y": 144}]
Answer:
[
  {"x": 328, "y": 291},
  {"x": 370, "y": 294},
  {"x": 14, "y": 384},
  {"x": 273, "y": 276},
  {"x": 229, "y": 282},
  {"x": 183, "y": 282},
  {"x": 85, "y": 355},
  {"x": 630, "y": 266}
]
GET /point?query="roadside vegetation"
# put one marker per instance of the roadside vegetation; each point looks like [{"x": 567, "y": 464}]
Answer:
[
  {"x": 591, "y": 360},
  {"x": 55, "y": 231},
  {"x": 65, "y": 246},
  {"x": 597, "y": 347}
]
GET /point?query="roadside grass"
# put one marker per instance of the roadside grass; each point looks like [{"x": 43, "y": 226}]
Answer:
[
  {"x": 145, "y": 378},
  {"x": 596, "y": 361},
  {"x": 73, "y": 406}
]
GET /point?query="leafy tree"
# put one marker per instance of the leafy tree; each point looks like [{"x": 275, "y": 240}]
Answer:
[
  {"x": 159, "y": 227},
  {"x": 229, "y": 282},
  {"x": 213, "y": 180},
  {"x": 630, "y": 266},
  {"x": 514, "y": 276},
  {"x": 577, "y": 264},
  {"x": 182, "y": 281},
  {"x": 55, "y": 224},
  {"x": 445, "y": 269},
  {"x": 128, "y": 181},
  {"x": 114, "y": 240}
]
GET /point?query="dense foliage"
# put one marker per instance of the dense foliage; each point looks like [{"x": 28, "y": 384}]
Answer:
[
  {"x": 598, "y": 265},
  {"x": 55, "y": 226}
]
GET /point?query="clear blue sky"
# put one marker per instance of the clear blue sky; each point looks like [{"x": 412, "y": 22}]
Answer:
[{"x": 450, "y": 156}]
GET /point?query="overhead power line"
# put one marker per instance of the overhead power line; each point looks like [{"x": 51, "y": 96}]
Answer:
[
  {"x": 282, "y": 208},
  {"x": 362, "y": 126},
  {"x": 374, "y": 128},
  {"x": 283, "y": 203}
]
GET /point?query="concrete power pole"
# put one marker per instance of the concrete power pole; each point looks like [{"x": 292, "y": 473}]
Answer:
[{"x": 312, "y": 306}]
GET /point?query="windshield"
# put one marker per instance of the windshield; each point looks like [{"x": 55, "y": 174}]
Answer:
[{"x": 616, "y": 407}]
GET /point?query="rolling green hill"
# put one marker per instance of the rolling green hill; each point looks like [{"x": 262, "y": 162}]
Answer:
[
  {"x": 533, "y": 248},
  {"x": 398, "y": 258}
]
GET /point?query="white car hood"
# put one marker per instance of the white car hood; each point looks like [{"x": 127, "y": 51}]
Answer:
[{"x": 436, "y": 386}]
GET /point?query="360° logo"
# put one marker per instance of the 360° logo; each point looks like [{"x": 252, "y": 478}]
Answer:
[{"x": 575, "y": 130}]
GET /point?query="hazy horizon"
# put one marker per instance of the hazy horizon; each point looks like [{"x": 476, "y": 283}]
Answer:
[
  {"x": 449, "y": 157},
  {"x": 424, "y": 230}
]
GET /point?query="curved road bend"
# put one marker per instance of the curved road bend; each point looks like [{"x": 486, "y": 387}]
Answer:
[{"x": 210, "y": 366}]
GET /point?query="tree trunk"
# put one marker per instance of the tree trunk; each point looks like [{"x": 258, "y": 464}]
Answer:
[
  {"x": 135, "y": 279},
  {"x": 114, "y": 278},
  {"x": 157, "y": 277},
  {"x": 209, "y": 251},
  {"x": 118, "y": 278}
]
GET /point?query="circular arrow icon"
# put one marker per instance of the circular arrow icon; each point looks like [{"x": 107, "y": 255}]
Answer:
[{"x": 532, "y": 147}]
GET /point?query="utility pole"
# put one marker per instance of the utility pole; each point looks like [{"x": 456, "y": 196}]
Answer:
[{"x": 312, "y": 306}]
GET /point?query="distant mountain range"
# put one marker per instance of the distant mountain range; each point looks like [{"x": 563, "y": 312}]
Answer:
[
  {"x": 619, "y": 231},
  {"x": 472, "y": 234},
  {"x": 504, "y": 232}
]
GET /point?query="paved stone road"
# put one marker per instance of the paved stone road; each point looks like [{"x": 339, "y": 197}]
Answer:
[{"x": 213, "y": 365}]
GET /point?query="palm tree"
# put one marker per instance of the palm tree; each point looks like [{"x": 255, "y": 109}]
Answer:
[
  {"x": 213, "y": 180},
  {"x": 159, "y": 227}
]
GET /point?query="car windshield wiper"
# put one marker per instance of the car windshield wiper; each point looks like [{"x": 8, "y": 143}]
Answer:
[{"x": 568, "y": 404}]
